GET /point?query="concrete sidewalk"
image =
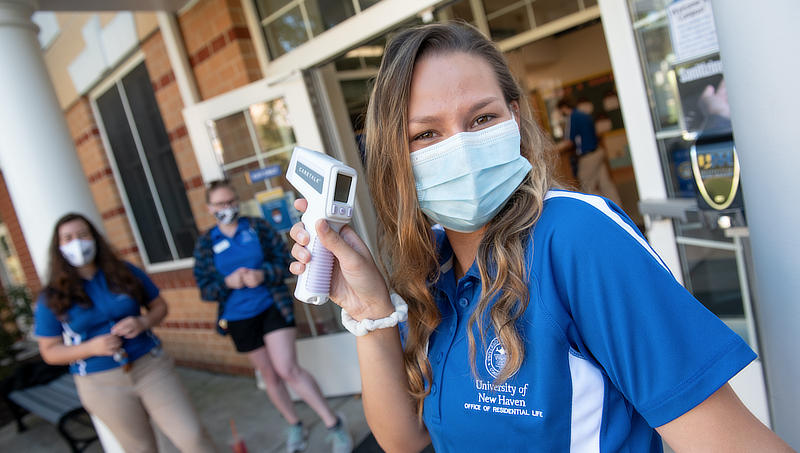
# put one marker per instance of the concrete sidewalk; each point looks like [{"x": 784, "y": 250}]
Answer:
[{"x": 218, "y": 398}]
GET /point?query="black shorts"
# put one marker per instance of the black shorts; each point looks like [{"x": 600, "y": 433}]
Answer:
[{"x": 248, "y": 334}]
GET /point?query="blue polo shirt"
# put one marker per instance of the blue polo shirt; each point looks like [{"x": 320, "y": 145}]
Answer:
[
  {"x": 242, "y": 250},
  {"x": 82, "y": 324},
  {"x": 582, "y": 133},
  {"x": 614, "y": 345}
]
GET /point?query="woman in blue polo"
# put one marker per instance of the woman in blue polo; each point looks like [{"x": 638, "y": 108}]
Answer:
[
  {"x": 538, "y": 319},
  {"x": 90, "y": 317},
  {"x": 241, "y": 264}
]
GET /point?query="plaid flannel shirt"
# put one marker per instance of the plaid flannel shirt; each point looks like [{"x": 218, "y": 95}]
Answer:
[{"x": 275, "y": 267}]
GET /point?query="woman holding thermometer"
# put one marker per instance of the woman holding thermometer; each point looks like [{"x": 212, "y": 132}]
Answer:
[
  {"x": 241, "y": 264},
  {"x": 538, "y": 319}
]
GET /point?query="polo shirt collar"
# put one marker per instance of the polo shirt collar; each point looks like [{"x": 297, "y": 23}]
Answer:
[
  {"x": 446, "y": 256},
  {"x": 216, "y": 234}
]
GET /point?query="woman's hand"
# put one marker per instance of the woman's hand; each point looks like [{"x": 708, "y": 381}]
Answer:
[
  {"x": 235, "y": 280},
  {"x": 253, "y": 278},
  {"x": 105, "y": 345},
  {"x": 129, "y": 327},
  {"x": 356, "y": 284}
]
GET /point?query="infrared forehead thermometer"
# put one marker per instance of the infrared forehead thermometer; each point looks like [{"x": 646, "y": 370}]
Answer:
[{"x": 329, "y": 186}]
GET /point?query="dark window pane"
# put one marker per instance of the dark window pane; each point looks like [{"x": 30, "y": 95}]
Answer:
[
  {"x": 267, "y": 7},
  {"x": 510, "y": 24},
  {"x": 545, "y": 11},
  {"x": 234, "y": 137},
  {"x": 285, "y": 33},
  {"x": 133, "y": 178},
  {"x": 491, "y": 6},
  {"x": 715, "y": 280},
  {"x": 272, "y": 123},
  {"x": 161, "y": 161},
  {"x": 326, "y": 14},
  {"x": 461, "y": 10},
  {"x": 348, "y": 64},
  {"x": 238, "y": 178},
  {"x": 367, "y": 3}
]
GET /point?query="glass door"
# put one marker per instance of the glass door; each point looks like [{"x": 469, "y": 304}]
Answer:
[
  {"x": 675, "y": 54},
  {"x": 683, "y": 74},
  {"x": 247, "y": 136}
]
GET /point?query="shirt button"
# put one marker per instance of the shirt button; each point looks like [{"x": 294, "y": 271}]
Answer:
[
  {"x": 433, "y": 389},
  {"x": 452, "y": 328},
  {"x": 463, "y": 302},
  {"x": 439, "y": 357}
]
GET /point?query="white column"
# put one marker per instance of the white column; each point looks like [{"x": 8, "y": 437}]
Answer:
[
  {"x": 758, "y": 46},
  {"x": 642, "y": 143},
  {"x": 176, "y": 52},
  {"x": 37, "y": 156}
]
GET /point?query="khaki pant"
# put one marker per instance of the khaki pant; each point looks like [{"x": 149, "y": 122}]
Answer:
[
  {"x": 126, "y": 402},
  {"x": 595, "y": 178}
]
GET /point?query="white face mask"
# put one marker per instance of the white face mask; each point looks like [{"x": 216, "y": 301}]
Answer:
[
  {"x": 79, "y": 252},
  {"x": 228, "y": 215},
  {"x": 464, "y": 181}
]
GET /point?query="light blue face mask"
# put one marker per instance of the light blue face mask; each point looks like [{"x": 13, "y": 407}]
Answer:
[{"x": 463, "y": 181}]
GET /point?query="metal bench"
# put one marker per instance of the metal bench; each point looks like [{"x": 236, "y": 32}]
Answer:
[{"x": 56, "y": 402}]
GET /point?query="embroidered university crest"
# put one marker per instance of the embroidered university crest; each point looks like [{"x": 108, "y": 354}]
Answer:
[{"x": 495, "y": 357}]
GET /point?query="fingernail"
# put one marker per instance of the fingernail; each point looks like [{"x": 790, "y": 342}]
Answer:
[{"x": 323, "y": 226}]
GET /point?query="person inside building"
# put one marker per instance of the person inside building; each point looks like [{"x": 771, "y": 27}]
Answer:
[
  {"x": 241, "y": 263},
  {"x": 536, "y": 319},
  {"x": 580, "y": 136},
  {"x": 90, "y": 316}
]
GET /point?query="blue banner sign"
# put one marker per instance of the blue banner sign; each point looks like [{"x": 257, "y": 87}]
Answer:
[{"x": 264, "y": 173}]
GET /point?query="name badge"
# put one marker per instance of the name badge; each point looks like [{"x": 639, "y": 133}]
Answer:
[{"x": 221, "y": 246}]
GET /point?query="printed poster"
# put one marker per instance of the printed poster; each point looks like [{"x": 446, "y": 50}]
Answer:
[
  {"x": 275, "y": 209},
  {"x": 702, "y": 94},
  {"x": 692, "y": 29}
]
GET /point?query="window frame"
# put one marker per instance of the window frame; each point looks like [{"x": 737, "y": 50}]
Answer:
[{"x": 109, "y": 82}]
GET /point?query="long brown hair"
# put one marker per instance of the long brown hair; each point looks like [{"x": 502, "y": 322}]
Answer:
[
  {"x": 65, "y": 286},
  {"x": 406, "y": 246}
]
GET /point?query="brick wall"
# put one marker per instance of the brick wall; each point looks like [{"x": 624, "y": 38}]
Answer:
[
  {"x": 189, "y": 331},
  {"x": 10, "y": 218},
  {"x": 219, "y": 46}
]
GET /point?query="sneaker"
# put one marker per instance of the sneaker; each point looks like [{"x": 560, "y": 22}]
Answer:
[
  {"x": 296, "y": 438},
  {"x": 340, "y": 439}
]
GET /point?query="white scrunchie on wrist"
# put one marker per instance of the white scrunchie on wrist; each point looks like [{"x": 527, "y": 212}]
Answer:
[{"x": 365, "y": 326}]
